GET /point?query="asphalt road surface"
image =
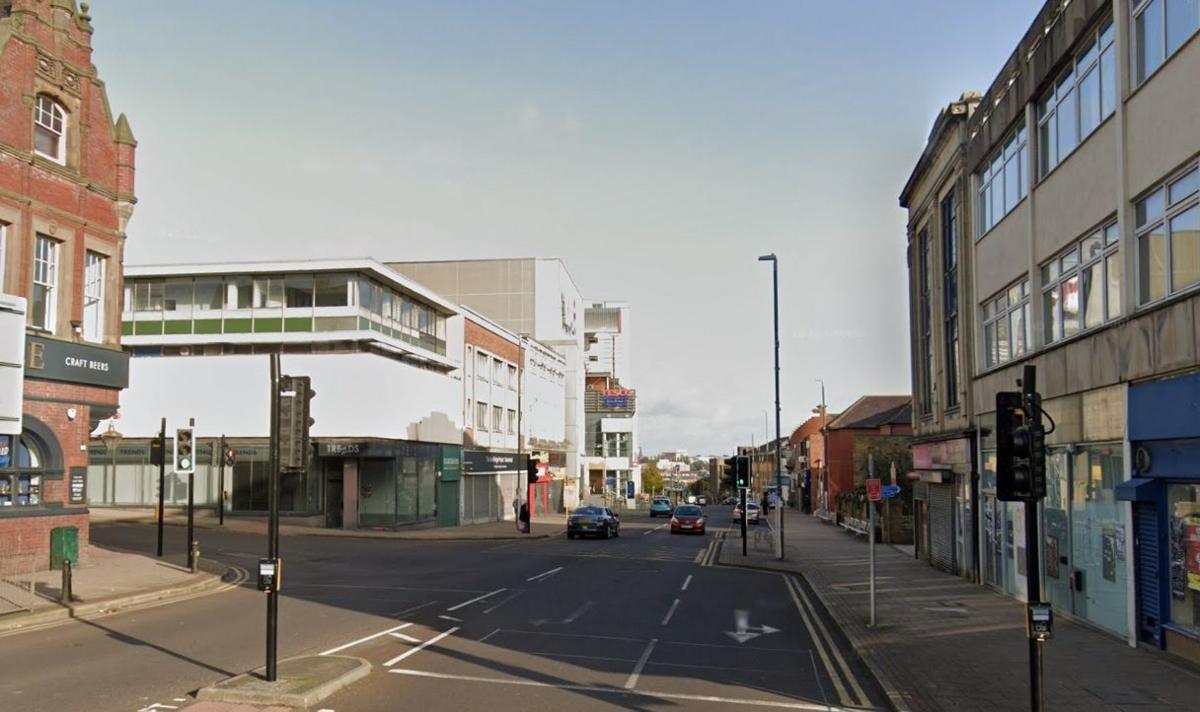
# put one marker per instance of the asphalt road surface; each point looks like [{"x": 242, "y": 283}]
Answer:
[{"x": 643, "y": 621}]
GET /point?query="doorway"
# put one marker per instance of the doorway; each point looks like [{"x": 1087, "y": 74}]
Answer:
[{"x": 333, "y": 494}]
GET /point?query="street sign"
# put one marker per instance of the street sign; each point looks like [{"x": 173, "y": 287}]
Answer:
[
  {"x": 873, "y": 490},
  {"x": 629, "y": 489},
  {"x": 889, "y": 491}
]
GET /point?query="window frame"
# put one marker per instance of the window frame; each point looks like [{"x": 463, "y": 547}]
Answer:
[
  {"x": 95, "y": 272},
  {"x": 992, "y": 313},
  {"x": 1054, "y": 276},
  {"x": 3, "y": 252},
  {"x": 1138, "y": 9},
  {"x": 1012, "y": 150},
  {"x": 481, "y": 416},
  {"x": 1047, "y": 115},
  {"x": 47, "y": 264},
  {"x": 1163, "y": 221},
  {"x": 925, "y": 320},
  {"x": 950, "y": 328},
  {"x": 57, "y": 112}
]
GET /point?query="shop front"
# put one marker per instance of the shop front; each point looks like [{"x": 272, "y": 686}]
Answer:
[
  {"x": 490, "y": 485},
  {"x": 384, "y": 484},
  {"x": 1164, "y": 430},
  {"x": 944, "y": 504}
]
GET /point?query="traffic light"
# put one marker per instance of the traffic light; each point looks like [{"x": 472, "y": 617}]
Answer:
[
  {"x": 531, "y": 470},
  {"x": 185, "y": 460},
  {"x": 736, "y": 471},
  {"x": 230, "y": 456},
  {"x": 1020, "y": 447},
  {"x": 295, "y": 396},
  {"x": 729, "y": 472},
  {"x": 743, "y": 471}
]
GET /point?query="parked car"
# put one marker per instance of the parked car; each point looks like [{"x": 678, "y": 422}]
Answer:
[
  {"x": 688, "y": 519},
  {"x": 593, "y": 521},
  {"x": 661, "y": 505},
  {"x": 753, "y": 512}
]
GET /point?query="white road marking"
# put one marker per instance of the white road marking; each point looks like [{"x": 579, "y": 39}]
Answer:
[
  {"x": 686, "y": 581},
  {"x": 477, "y": 599},
  {"x": 579, "y": 612},
  {"x": 420, "y": 647},
  {"x": 551, "y": 572},
  {"x": 405, "y": 638},
  {"x": 489, "y": 635},
  {"x": 501, "y": 603},
  {"x": 451, "y": 618},
  {"x": 158, "y": 706},
  {"x": 671, "y": 612},
  {"x": 406, "y": 611},
  {"x": 651, "y": 531},
  {"x": 373, "y": 636},
  {"x": 179, "y": 699},
  {"x": 808, "y": 707},
  {"x": 809, "y": 616},
  {"x": 641, "y": 664}
]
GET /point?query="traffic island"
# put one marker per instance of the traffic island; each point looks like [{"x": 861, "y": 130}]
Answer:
[{"x": 300, "y": 682}]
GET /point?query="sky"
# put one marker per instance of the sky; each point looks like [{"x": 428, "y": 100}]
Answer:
[{"x": 657, "y": 147}]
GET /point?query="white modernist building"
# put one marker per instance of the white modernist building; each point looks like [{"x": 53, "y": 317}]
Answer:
[
  {"x": 611, "y": 423},
  {"x": 384, "y": 356}
]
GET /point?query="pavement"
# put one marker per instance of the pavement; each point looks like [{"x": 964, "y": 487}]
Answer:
[
  {"x": 644, "y": 621},
  {"x": 544, "y": 526},
  {"x": 109, "y": 580},
  {"x": 944, "y": 643}
]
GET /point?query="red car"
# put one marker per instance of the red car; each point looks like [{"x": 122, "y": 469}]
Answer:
[{"x": 688, "y": 519}]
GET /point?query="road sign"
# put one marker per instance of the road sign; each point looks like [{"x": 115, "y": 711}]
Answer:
[
  {"x": 889, "y": 491},
  {"x": 629, "y": 489},
  {"x": 873, "y": 490}
]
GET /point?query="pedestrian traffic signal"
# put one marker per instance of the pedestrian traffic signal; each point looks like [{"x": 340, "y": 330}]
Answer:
[
  {"x": 230, "y": 456},
  {"x": 1020, "y": 447},
  {"x": 185, "y": 460},
  {"x": 295, "y": 397},
  {"x": 532, "y": 473}
]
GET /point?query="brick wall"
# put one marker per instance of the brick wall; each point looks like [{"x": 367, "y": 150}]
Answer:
[
  {"x": 19, "y": 535},
  {"x": 482, "y": 337}
]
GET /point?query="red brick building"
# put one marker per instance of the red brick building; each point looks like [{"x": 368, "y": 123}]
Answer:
[
  {"x": 66, "y": 194},
  {"x": 873, "y": 424}
]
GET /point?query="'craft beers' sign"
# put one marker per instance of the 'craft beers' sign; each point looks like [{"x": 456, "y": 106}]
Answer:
[{"x": 56, "y": 360}]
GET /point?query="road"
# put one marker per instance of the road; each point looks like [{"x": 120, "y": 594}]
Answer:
[{"x": 643, "y": 621}]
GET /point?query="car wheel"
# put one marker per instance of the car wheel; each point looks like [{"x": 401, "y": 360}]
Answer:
[
  {"x": 607, "y": 532},
  {"x": 617, "y": 531},
  {"x": 570, "y": 535}
]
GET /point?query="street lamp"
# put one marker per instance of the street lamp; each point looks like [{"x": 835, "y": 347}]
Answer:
[
  {"x": 112, "y": 440},
  {"x": 778, "y": 467},
  {"x": 824, "y": 449}
]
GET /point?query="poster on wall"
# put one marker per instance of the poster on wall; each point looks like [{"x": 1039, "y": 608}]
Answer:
[
  {"x": 1052, "y": 569},
  {"x": 1193, "y": 557},
  {"x": 1109, "y": 554}
]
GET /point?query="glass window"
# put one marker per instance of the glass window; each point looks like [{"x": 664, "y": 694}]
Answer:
[
  {"x": 482, "y": 368},
  {"x": 298, "y": 291},
  {"x": 1183, "y": 506},
  {"x": 1108, "y": 81},
  {"x": 49, "y": 129},
  {"x": 925, "y": 267},
  {"x": 512, "y": 377},
  {"x": 333, "y": 290},
  {"x": 1051, "y": 315},
  {"x": 1114, "y": 269},
  {"x": 1089, "y": 102},
  {"x": 1067, "y": 120},
  {"x": 1148, "y": 29},
  {"x": 268, "y": 293},
  {"x": 481, "y": 416},
  {"x": 1079, "y": 101},
  {"x": 1093, "y": 295},
  {"x": 1075, "y": 292},
  {"x": 44, "y": 308},
  {"x": 1002, "y": 184},
  {"x": 1183, "y": 16},
  {"x": 497, "y": 416},
  {"x": 1168, "y": 225},
  {"x": 512, "y": 422},
  {"x": 178, "y": 296},
  {"x": 208, "y": 293},
  {"x": 239, "y": 292},
  {"x": 1070, "y": 306},
  {"x": 93, "y": 296},
  {"x": 1006, "y": 326}
]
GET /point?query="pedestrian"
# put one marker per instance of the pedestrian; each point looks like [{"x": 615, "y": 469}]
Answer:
[{"x": 523, "y": 518}]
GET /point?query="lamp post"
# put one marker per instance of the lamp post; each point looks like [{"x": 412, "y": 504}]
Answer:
[
  {"x": 824, "y": 450},
  {"x": 778, "y": 467},
  {"x": 112, "y": 440}
]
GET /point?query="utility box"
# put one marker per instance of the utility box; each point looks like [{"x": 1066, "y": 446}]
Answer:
[{"x": 64, "y": 546}]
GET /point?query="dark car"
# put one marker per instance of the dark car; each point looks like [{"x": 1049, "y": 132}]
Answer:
[
  {"x": 688, "y": 519},
  {"x": 593, "y": 521},
  {"x": 729, "y": 501}
]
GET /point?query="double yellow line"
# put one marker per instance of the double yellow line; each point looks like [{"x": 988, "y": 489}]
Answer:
[
  {"x": 709, "y": 554},
  {"x": 827, "y": 648}
]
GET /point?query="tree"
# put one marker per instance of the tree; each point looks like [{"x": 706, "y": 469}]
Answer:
[{"x": 651, "y": 478}]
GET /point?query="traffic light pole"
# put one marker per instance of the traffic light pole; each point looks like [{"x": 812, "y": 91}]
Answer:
[
  {"x": 273, "y": 521},
  {"x": 742, "y": 492},
  {"x": 1033, "y": 573},
  {"x": 191, "y": 506},
  {"x": 221, "y": 483},
  {"x": 162, "y": 480}
]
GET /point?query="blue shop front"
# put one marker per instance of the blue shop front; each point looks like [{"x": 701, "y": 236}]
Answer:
[{"x": 1164, "y": 434}]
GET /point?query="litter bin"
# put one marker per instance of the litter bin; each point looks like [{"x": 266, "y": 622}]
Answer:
[{"x": 64, "y": 545}]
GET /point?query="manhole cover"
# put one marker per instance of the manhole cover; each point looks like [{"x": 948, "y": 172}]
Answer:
[{"x": 1123, "y": 696}]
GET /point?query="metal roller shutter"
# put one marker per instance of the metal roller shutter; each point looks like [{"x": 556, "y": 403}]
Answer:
[
  {"x": 941, "y": 526},
  {"x": 1148, "y": 549}
]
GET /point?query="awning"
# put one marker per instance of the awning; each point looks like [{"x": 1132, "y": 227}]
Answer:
[{"x": 1139, "y": 489}]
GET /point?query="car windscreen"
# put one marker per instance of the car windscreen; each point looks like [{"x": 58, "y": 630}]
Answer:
[
  {"x": 589, "y": 511},
  {"x": 687, "y": 512}
]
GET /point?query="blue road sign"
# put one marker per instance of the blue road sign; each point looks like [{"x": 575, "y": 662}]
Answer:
[
  {"x": 629, "y": 489},
  {"x": 889, "y": 491}
]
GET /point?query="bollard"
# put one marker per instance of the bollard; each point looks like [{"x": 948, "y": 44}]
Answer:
[
  {"x": 64, "y": 594},
  {"x": 194, "y": 557}
]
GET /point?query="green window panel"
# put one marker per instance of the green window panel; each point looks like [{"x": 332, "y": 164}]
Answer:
[
  {"x": 127, "y": 328},
  {"x": 298, "y": 323},
  {"x": 238, "y": 326},
  {"x": 177, "y": 326},
  {"x": 335, "y": 323},
  {"x": 363, "y": 323},
  {"x": 206, "y": 326},
  {"x": 147, "y": 328},
  {"x": 268, "y": 325}
]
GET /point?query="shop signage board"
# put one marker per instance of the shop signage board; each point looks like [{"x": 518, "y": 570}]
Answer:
[{"x": 73, "y": 362}]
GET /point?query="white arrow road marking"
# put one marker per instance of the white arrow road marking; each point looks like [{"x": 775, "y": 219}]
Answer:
[
  {"x": 373, "y": 636},
  {"x": 746, "y": 632},
  {"x": 477, "y": 599},
  {"x": 451, "y": 618},
  {"x": 569, "y": 619},
  {"x": 420, "y": 647}
]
